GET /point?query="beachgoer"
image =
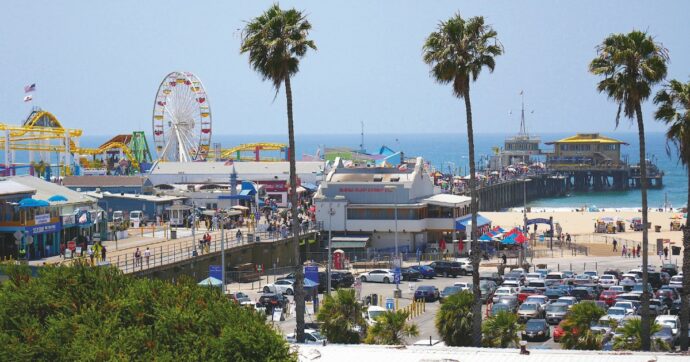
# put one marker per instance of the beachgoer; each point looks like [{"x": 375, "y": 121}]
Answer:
[
  {"x": 666, "y": 252},
  {"x": 624, "y": 252},
  {"x": 615, "y": 244},
  {"x": 638, "y": 250},
  {"x": 147, "y": 255}
]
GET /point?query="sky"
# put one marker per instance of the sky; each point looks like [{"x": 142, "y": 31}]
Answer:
[{"x": 97, "y": 65}]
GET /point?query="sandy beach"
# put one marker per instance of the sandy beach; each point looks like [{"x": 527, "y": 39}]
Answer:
[{"x": 582, "y": 223}]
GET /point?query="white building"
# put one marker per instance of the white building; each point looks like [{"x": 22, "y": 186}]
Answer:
[
  {"x": 360, "y": 205},
  {"x": 272, "y": 177}
]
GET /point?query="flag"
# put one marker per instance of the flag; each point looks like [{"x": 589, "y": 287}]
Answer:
[
  {"x": 30, "y": 88},
  {"x": 28, "y": 98}
]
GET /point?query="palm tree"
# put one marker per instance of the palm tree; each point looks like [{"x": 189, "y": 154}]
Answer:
[
  {"x": 576, "y": 326},
  {"x": 455, "y": 319},
  {"x": 502, "y": 330},
  {"x": 390, "y": 328},
  {"x": 275, "y": 41},
  {"x": 631, "y": 64},
  {"x": 457, "y": 52},
  {"x": 631, "y": 337},
  {"x": 341, "y": 317},
  {"x": 674, "y": 110}
]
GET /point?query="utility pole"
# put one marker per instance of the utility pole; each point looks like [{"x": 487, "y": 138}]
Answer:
[
  {"x": 331, "y": 212},
  {"x": 222, "y": 248}
]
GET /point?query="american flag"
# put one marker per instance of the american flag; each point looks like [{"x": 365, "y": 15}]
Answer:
[{"x": 30, "y": 88}]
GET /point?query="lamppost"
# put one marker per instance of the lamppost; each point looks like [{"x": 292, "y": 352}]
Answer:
[
  {"x": 524, "y": 218},
  {"x": 331, "y": 212},
  {"x": 396, "y": 259},
  {"x": 221, "y": 219}
]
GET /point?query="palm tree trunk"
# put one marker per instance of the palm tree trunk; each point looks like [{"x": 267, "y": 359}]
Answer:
[
  {"x": 646, "y": 325},
  {"x": 299, "y": 272},
  {"x": 475, "y": 252},
  {"x": 685, "y": 295}
]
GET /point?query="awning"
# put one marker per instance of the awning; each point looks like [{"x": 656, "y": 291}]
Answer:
[
  {"x": 309, "y": 186},
  {"x": 245, "y": 192},
  {"x": 349, "y": 242},
  {"x": 463, "y": 222}
]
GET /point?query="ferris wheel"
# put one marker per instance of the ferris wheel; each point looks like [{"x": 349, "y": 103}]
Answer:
[{"x": 181, "y": 119}]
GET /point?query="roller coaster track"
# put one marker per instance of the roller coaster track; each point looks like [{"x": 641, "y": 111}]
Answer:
[{"x": 229, "y": 153}]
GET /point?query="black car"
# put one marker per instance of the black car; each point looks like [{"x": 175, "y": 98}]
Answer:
[
  {"x": 536, "y": 329},
  {"x": 272, "y": 300},
  {"x": 582, "y": 294},
  {"x": 654, "y": 279},
  {"x": 338, "y": 280},
  {"x": 554, "y": 293},
  {"x": 427, "y": 292},
  {"x": 671, "y": 269},
  {"x": 409, "y": 274},
  {"x": 493, "y": 276},
  {"x": 447, "y": 268}
]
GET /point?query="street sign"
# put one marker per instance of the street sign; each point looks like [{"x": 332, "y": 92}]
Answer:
[
  {"x": 215, "y": 271},
  {"x": 396, "y": 275},
  {"x": 311, "y": 273},
  {"x": 390, "y": 304}
]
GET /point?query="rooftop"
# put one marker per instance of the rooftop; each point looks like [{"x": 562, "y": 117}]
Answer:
[
  {"x": 360, "y": 352},
  {"x": 9, "y": 187},
  {"x": 102, "y": 181},
  {"x": 45, "y": 189},
  {"x": 154, "y": 198},
  {"x": 225, "y": 168},
  {"x": 372, "y": 174},
  {"x": 588, "y": 138},
  {"x": 447, "y": 200}
]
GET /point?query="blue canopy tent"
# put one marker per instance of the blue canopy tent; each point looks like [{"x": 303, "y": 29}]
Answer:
[
  {"x": 57, "y": 198},
  {"x": 463, "y": 222},
  {"x": 485, "y": 237},
  {"x": 29, "y": 202},
  {"x": 212, "y": 282},
  {"x": 510, "y": 240}
]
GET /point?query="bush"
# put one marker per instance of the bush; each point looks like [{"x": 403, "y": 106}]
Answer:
[
  {"x": 454, "y": 319},
  {"x": 85, "y": 313}
]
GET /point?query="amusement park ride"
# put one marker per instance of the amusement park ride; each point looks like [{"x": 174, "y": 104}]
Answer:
[{"x": 181, "y": 133}]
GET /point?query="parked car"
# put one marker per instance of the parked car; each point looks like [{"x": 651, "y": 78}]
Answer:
[
  {"x": 373, "y": 312},
  {"x": 311, "y": 336},
  {"x": 465, "y": 267},
  {"x": 667, "y": 336},
  {"x": 637, "y": 289},
  {"x": 500, "y": 307},
  {"x": 378, "y": 275},
  {"x": 427, "y": 292},
  {"x": 529, "y": 311},
  {"x": 554, "y": 293},
  {"x": 504, "y": 291},
  {"x": 609, "y": 297},
  {"x": 446, "y": 268},
  {"x": 656, "y": 307},
  {"x": 569, "y": 301},
  {"x": 409, "y": 274},
  {"x": 616, "y": 274},
  {"x": 542, "y": 300},
  {"x": 448, "y": 291},
  {"x": 582, "y": 279},
  {"x": 607, "y": 280},
  {"x": 675, "y": 307},
  {"x": 494, "y": 277},
  {"x": 592, "y": 274},
  {"x": 617, "y": 313},
  {"x": 676, "y": 280},
  {"x": 464, "y": 285},
  {"x": 617, "y": 288},
  {"x": 240, "y": 298},
  {"x": 604, "y": 325},
  {"x": 118, "y": 216},
  {"x": 536, "y": 329},
  {"x": 628, "y": 297},
  {"x": 628, "y": 281},
  {"x": 533, "y": 276},
  {"x": 672, "y": 321},
  {"x": 425, "y": 271},
  {"x": 556, "y": 312},
  {"x": 543, "y": 272},
  {"x": 539, "y": 285},
  {"x": 582, "y": 294},
  {"x": 487, "y": 289},
  {"x": 627, "y": 305},
  {"x": 272, "y": 300},
  {"x": 667, "y": 295},
  {"x": 510, "y": 301},
  {"x": 671, "y": 269},
  {"x": 555, "y": 276},
  {"x": 283, "y": 286}
]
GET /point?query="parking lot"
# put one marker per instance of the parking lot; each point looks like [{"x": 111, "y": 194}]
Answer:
[{"x": 425, "y": 321}]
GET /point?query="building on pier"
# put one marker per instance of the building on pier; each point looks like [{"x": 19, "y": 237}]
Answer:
[{"x": 586, "y": 150}]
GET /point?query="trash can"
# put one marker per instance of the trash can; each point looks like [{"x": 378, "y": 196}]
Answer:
[
  {"x": 657, "y": 228},
  {"x": 374, "y": 299},
  {"x": 173, "y": 234}
]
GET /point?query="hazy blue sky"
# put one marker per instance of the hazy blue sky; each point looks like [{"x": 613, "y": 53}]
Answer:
[{"x": 98, "y": 64}]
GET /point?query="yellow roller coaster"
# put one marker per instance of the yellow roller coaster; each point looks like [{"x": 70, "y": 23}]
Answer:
[
  {"x": 43, "y": 134},
  {"x": 235, "y": 153}
]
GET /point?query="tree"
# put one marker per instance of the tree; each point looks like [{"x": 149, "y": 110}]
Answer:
[
  {"x": 390, "y": 328},
  {"x": 674, "y": 110},
  {"x": 502, "y": 330},
  {"x": 631, "y": 337},
  {"x": 276, "y": 41},
  {"x": 341, "y": 317},
  {"x": 85, "y": 313},
  {"x": 455, "y": 319},
  {"x": 631, "y": 64},
  {"x": 576, "y": 327},
  {"x": 457, "y": 52}
]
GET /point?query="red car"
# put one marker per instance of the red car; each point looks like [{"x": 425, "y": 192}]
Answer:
[
  {"x": 526, "y": 292},
  {"x": 609, "y": 297}
]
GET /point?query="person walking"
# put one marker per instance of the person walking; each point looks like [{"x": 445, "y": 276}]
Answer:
[
  {"x": 665, "y": 252},
  {"x": 624, "y": 253},
  {"x": 238, "y": 235},
  {"x": 103, "y": 251},
  {"x": 90, "y": 252},
  {"x": 137, "y": 258},
  {"x": 147, "y": 256},
  {"x": 638, "y": 250},
  {"x": 505, "y": 260},
  {"x": 615, "y": 244}
]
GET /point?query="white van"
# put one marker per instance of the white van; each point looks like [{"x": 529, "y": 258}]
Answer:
[{"x": 137, "y": 217}]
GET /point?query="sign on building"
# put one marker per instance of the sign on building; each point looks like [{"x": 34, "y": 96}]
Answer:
[{"x": 42, "y": 219}]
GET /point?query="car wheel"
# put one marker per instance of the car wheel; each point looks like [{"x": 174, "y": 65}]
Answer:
[
  {"x": 267, "y": 290},
  {"x": 363, "y": 279},
  {"x": 289, "y": 292},
  {"x": 386, "y": 280}
]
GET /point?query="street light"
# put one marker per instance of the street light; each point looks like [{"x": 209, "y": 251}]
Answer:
[
  {"x": 524, "y": 217},
  {"x": 396, "y": 260},
  {"x": 331, "y": 212}
]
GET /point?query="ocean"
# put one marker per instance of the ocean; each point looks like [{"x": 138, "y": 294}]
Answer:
[{"x": 446, "y": 151}]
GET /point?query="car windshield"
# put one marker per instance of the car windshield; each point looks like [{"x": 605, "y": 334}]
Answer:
[
  {"x": 535, "y": 324},
  {"x": 665, "y": 331},
  {"x": 499, "y": 307},
  {"x": 317, "y": 335},
  {"x": 590, "y": 273},
  {"x": 528, "y": 306},
  {"x": 669, "y": 323},
  {"x": 451, "y": 290},
  {"x": 425, "y": 288},
  {"x": 557, "y": 308},
  {"x": 566, "y": 301},
  {"x": 616, "y": 311},
  {"x": 373, "y": 314}
]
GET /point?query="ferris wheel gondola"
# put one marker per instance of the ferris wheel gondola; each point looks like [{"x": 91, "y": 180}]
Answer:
[{"x": 181, "y": 119}]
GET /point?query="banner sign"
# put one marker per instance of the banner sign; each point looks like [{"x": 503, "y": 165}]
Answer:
[
  {"x": 42, "y": 219},
  {"x": 42, "y": 229}
]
